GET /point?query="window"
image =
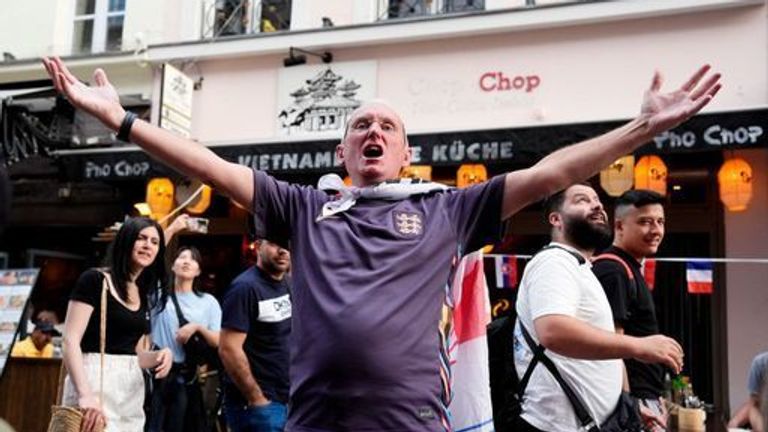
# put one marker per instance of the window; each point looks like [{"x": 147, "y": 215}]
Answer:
[
  {"x": 98, "y": 26},
  {"x": 231, "y": 17},
  {"x": 236, "y": 17},
  {"x": 275, "y": 15},
  {"x": 409, "y": 8},
  {"x": 463, "y": 5}
]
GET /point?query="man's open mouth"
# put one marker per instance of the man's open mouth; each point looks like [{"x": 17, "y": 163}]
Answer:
[
  {"x": 598, "y": 218},
  {"x": 373, "y": 151}
]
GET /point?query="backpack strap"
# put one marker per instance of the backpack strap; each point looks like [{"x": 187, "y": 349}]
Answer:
[
  {"x": 579, "y": 258},
  {"x": 613, "y": 257}
]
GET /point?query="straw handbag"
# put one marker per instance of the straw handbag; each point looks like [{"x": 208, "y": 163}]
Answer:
[{"x": 69, "y": 419}]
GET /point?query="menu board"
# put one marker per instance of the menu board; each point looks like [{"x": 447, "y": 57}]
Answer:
[{"x": 15, "y": 288}]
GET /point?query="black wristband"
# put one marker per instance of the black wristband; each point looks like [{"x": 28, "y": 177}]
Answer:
[{"x": 125, "y": 127}]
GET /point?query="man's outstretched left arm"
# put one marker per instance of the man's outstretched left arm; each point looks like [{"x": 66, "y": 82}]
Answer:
[{"x": 659, "y": 112}]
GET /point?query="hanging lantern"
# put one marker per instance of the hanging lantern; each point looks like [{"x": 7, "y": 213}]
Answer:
[
  {"x": 186, "y": 189},
  {"x": 619, "y": 176},
  {"x": 470, "y": 174},
  {"x": 735, "y": 180},
  {"x": 160, "y": 197},
  {"x": 651, "y": 174},
  {"x": 143, "y": 209},
  {"x": 202, "y": 203},
  {"x": 423, "y": 172}
]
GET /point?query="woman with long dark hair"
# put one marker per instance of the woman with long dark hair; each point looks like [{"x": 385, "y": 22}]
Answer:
[
  {"x": 177, "y": 399},
  {"x": 134, "y": 270}
]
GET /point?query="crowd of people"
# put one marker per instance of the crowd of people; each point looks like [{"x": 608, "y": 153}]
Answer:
[{"x": 368, "y": 268}]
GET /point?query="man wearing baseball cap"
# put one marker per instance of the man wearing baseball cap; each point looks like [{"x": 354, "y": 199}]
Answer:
[{"x": 38, "y": 344}]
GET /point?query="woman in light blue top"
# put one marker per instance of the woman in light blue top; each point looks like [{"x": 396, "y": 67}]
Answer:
[{"x": 176, "y": 400}]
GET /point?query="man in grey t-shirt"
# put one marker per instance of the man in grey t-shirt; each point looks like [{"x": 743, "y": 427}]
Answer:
[
  {"x": 749, "y": 413},
  {"x": 365, "y": 347}
]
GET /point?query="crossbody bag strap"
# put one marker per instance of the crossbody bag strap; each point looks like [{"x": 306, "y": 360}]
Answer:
[
  {"x": 103, "y": 332},
  {"x": 60, "y": 385},
  {"x": 182, "y": 319},
  {"x": 587, "y": 422}
]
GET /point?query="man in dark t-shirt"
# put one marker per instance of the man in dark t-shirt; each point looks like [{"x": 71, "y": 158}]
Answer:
[
  {"x": 253, "y": 346},
  {"x": 638, "y": 232},
  {"x": 371, "y": 264}
]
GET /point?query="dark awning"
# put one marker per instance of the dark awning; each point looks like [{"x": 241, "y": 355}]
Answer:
[{"x": 516, "y": 146}]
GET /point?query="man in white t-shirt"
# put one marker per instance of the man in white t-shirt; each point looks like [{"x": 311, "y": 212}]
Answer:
[{"x": 563, "y": 306}]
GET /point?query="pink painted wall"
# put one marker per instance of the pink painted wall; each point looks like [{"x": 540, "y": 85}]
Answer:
[
  {"x": 237, "y": 100},
  {"x": 585, "y": 73}
]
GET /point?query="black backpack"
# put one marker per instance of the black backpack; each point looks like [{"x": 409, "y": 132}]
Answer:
[{"x": 504, "y": 382}]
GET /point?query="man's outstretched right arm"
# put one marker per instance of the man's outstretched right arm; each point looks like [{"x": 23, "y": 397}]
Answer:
[{"x": 186, "y": 156}]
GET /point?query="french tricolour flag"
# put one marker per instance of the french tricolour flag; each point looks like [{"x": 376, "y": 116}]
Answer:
[{"x": 699, "y": 276}]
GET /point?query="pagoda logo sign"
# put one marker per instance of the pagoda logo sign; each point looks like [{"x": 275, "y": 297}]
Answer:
[{"x": 322, "y": 104}]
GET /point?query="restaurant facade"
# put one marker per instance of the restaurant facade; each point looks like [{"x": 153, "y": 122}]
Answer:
[{"x": 501, "y": 87}]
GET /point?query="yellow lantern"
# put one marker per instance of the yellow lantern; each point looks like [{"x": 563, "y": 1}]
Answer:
[
  {"x": 160, "y": 197},
  {"x": 186, "y": 189},
  {"x": 651, "y": 174},
  {"x": 618, "y": 177},
  {"x": 423, "y": 172},
  {"x": 202, "y": 203},
  {"x": 470, "y": 174},
  {"x": 735, "y": 180}
]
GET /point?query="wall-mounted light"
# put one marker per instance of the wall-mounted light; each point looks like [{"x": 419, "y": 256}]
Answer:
[{"x": 294, "y": 59}]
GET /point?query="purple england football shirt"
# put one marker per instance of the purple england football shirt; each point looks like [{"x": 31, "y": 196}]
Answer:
[{"x": 368, "y": 286}]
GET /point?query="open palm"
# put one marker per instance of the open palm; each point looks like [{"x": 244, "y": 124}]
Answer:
[
  {"x": 100, "y": 100},
  {"x": 666, "y": 110}
]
